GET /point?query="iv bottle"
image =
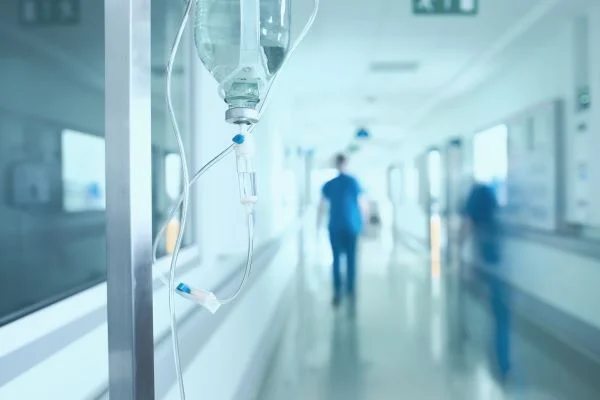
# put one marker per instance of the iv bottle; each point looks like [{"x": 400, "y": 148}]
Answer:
[{"x": 242, "y": 43}]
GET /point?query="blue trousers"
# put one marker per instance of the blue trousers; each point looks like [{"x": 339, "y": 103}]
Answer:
[
  {"x": 500, "y": 307},
  {"x": 343, "y": 242},
  {"x": 499, "y": 300}
]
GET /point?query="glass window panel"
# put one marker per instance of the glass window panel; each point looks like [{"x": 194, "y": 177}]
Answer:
[
  {"x": 52, "y": 150},
  {"x": 166, "y": 162},
  {"x": 490, "y": 159},
  {"x": 82, "y": 171},
  {"x": 52, "y": 235}
]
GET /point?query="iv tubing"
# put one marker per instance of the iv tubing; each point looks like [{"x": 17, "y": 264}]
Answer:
[
  {"x": 184, "y": 205},
  {"x": 184, "y": 197},
  {"x": 248, "y": 268},
  {"x": 250, "y": 223},
  {"x": 179, "y": 201}
]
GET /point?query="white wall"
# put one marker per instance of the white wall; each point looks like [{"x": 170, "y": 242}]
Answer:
[
  {"x": 271, "y": 165},
  {"x": 562, "y": 279},
  {"x": 543, "y": 75}
]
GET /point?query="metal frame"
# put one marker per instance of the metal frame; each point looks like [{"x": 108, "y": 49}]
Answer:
[{"x": 129, "y": 199}]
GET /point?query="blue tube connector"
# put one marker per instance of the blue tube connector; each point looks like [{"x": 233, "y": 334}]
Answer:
[
  {"x": 239, "y": 139},
  {"x": 182, "y": 287}
]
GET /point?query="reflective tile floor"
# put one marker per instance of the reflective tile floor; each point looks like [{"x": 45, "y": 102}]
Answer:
[{"x": 412, "y": 334}]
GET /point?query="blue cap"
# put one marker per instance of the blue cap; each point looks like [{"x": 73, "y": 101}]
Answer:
[
  {"x": 239, "y": 138},
  {"x": 182, "y": 287}
]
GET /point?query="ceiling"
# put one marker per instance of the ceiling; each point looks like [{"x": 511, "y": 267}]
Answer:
[
  {"x": 338, "y": 92},
  {"x": 328, "y": 83}
]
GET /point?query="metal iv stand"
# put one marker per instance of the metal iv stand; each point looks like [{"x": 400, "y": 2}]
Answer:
[{"x": 129, "y": 199}]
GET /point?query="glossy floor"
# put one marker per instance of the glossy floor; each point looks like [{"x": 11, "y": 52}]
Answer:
[{"x": 412, "y": 334}]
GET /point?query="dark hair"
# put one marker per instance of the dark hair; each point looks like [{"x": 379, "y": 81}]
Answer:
[{"x": 340, "y": 160}]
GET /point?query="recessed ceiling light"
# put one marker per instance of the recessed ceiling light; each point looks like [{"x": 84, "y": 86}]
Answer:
[
  {"x": 394, "y": 66},
  {"x": 362, "y": 133}
]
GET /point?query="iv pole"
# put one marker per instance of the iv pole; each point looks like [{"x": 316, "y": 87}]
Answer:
[{"x": 129, "y": 199}]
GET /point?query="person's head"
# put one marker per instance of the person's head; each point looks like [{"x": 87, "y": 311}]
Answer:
[{"x": 341, "y": 162}]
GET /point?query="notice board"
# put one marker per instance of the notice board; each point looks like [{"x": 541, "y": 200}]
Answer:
[{"x": 534, "y": 160}]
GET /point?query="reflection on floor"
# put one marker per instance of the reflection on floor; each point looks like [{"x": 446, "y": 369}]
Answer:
[{"x": 412, "y": 334}]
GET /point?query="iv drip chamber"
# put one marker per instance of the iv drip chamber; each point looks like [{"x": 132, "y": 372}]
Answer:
[{"x": 243, "y": 44}]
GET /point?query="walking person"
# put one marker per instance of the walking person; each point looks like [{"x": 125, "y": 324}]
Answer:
[
  {"x": 481, "y": 220},
  {"x": 347, "y": 210}
]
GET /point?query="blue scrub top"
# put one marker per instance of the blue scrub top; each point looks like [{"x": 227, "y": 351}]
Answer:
[
  {"x": 482, "y": 209},
  {"x": 344, "y": 210}
]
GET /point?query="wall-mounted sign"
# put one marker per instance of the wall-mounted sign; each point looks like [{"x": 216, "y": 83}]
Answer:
[
  {"x": 49, "y": 12},
  {"x": 584, "y": 99},
  {"x": 445, "y": 7},
  {"x": 578, "y": 197},
  {"x": 533, "y": 170}
]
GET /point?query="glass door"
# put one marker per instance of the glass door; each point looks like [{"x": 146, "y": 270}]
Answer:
[{"x": 435, "y": 203}]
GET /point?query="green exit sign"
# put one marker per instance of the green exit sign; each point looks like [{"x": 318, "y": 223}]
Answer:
[{"x": 445, "y": 7}]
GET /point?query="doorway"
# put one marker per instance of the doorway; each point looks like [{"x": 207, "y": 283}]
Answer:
[{"x": 454, "y": 198}]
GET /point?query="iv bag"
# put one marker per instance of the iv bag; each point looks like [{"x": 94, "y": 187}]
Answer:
[{"x": 242, "y": 43}]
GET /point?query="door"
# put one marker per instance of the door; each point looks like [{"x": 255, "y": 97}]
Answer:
[
  {"x": 395, "y": 185},
  {"x": 454, "y": 199},
  {"x": 432, "y": 200}
]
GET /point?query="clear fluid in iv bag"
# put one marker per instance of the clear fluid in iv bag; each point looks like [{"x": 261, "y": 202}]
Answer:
[{"x": 242, "y": 72}]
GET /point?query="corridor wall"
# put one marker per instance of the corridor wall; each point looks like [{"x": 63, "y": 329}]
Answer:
[{"x": 559, "y": 277}]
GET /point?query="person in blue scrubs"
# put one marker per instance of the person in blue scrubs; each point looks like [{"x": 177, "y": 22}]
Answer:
[
  {"x": 346, "y": 211},
  {"x": 481, "y": 218},
  {"x": 481, "y": 214}
]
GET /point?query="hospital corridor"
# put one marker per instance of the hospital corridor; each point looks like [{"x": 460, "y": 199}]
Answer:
[
  {"x": 414, "y": 332},
  {"x": 299, "y": 200}
]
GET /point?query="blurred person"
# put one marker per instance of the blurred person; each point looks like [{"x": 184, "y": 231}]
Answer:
[
  {"x": 347, "y": 210},
  {"x": 481, "y": 222}
]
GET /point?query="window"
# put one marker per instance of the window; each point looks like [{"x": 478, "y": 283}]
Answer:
[
  {"x": 166, "y": 162},
  {"x": 52, "y": 235},
  {"x": 52, "y": 152},
  {"x": 434, "y": 168},
  {"x": 82, "y": 171},
  {"x": 490, "y": 159},
  {"x": 173, "y": 176}
]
